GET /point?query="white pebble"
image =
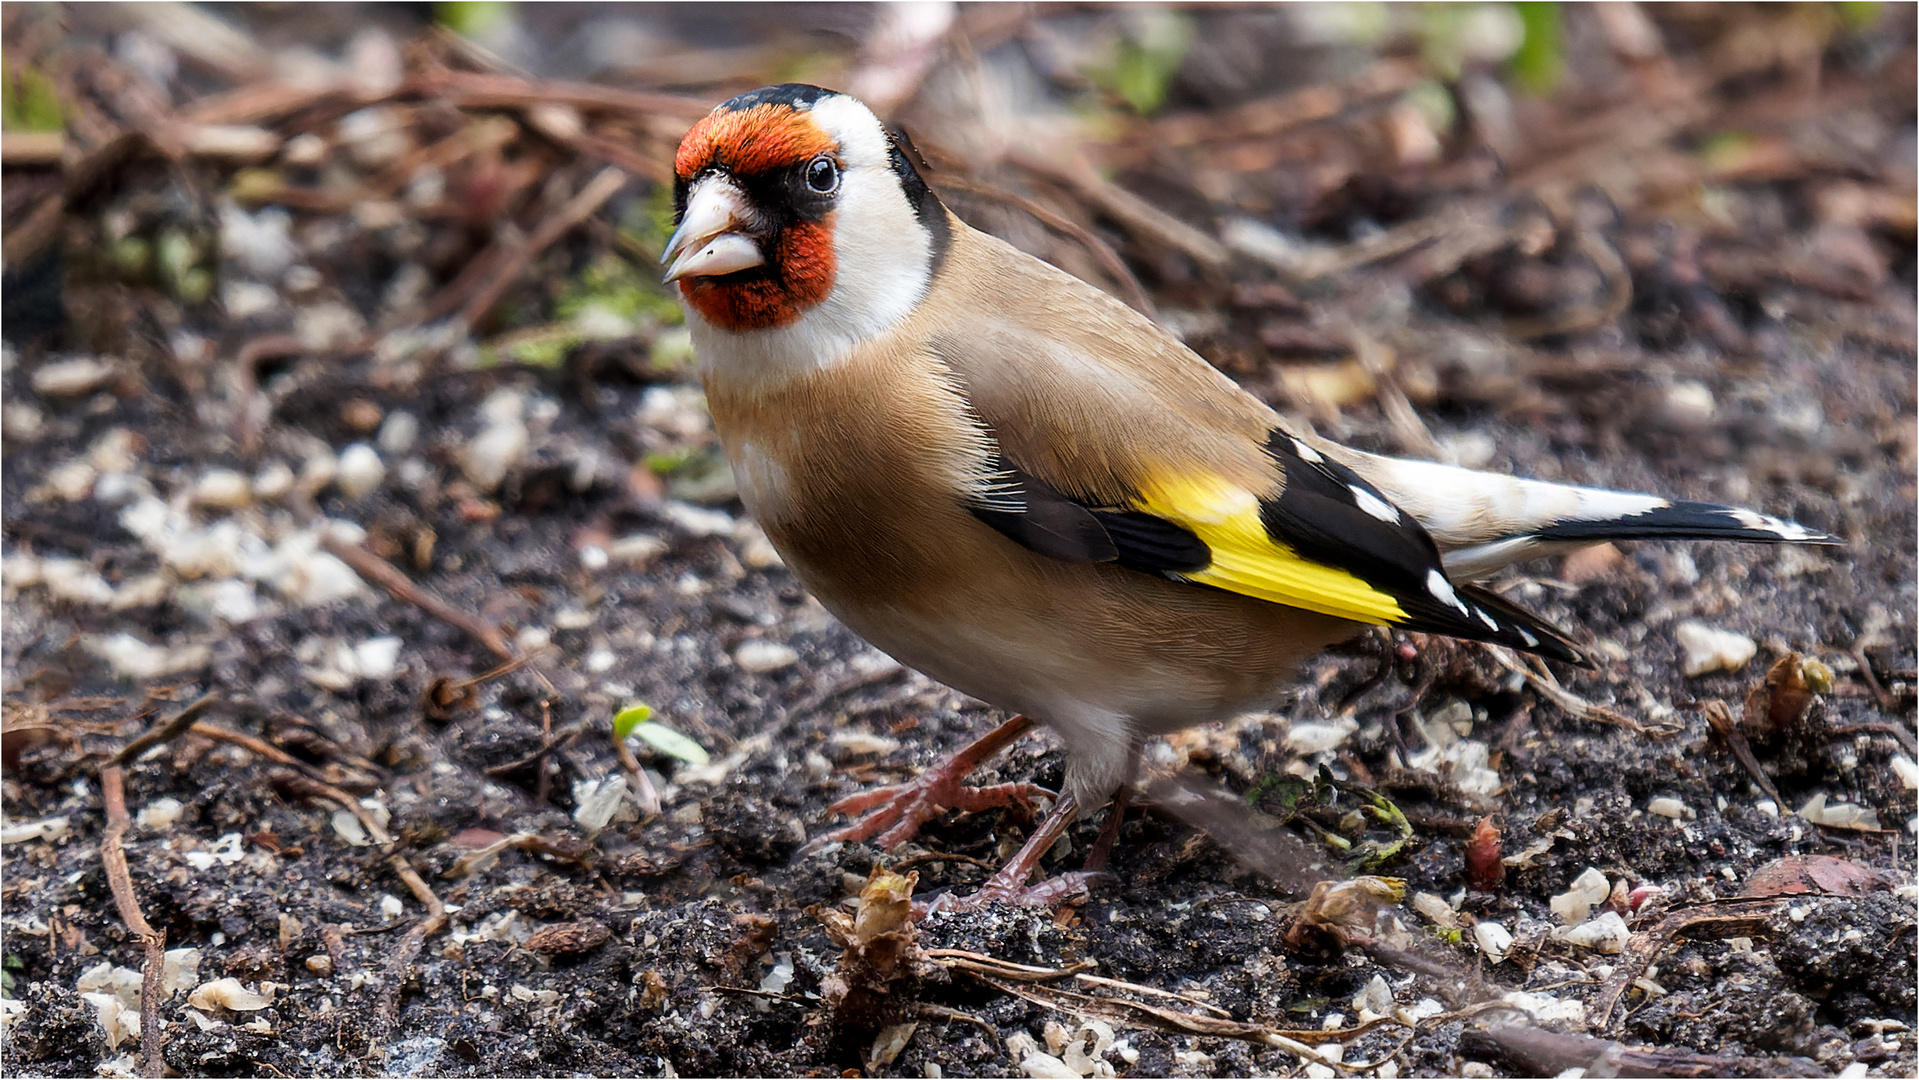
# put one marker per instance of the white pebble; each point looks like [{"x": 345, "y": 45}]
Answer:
[
  {"x": 600, "y": 661},
  {"x": 1494, "y": 940},
  {"x": 360, "y": 471},
  {"x": 1839, "y": 815},
  {"x": 1436, "y": 910},
  {"x": 1690, "y": 402},
  {"x": 1668, "y": 807},
  {"x": 398, "y": 432},
  {"x": 49, "y": 829},
  {"x": 227, "y": 993},
  {"x": 760, "y": 656},
  {"x": 73, "y": 480},
  {"x": 1604, "y": 933},
  {"x": 1709, "y": 649},
  {"x": 74, "y": 580},
  {"x": 223, "y": 488},
  {"x": 20, "y": 420},
  {"x": 756, "y": 551},
  {"x": 72, "y": 378},
  {"x": 391, "y": 907},
  {"x": 859, "y": 742},
  {"x": 160, "y": 813},
  {"x": 699, "y": 521},
  {"x": 637, "y": 550},
  {"x": 1587, "y": 890},
  {"x": 272, "y": 481},
  {"x": 137, "y": 661},
  {"x": 1908, "y": 771},
  {"x": 327, "y": 326},
  {"x": 1376, "y": 996},
  {"x": 594, "y": 557},
  {"x": 1313, "y": 738},
  {"x": 500, "y": 444}
]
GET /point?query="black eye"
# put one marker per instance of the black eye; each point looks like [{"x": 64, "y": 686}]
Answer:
[{"x": 822, "y": 175}]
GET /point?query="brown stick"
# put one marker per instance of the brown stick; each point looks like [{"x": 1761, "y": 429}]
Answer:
[
  {"x": 167, "y": 732},
  {"x": 577, "y": 209},
  {"x": 1143, "y": 219},
  {"x": 1723, "y": 918},
  {"x": 401, "y": 588},
  {"x": 113, "y": 856}
]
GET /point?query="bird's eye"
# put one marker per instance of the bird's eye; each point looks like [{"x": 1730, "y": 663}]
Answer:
[{"x": 822, "y": 175}]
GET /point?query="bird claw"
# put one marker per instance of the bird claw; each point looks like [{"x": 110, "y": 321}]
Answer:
[{"x": 894, "y": 814}]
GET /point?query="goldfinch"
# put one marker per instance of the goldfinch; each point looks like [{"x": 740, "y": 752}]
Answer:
[{"x": 1014, "y": 483}]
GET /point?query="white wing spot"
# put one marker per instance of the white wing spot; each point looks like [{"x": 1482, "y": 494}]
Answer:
[
  {"x": 1306, "y": 453},
  {"x": 1374, "y": 505},
  {"x": 1526, "y": 635},
  {"x": 1442, "y": 591},
  {"x": 1491, "y": 623}
]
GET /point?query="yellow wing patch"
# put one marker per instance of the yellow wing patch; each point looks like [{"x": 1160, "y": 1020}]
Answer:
[{"x": 1248, "y": 561}]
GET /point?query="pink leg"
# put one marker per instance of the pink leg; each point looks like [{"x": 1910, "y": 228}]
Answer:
[
  {"x": 1109, "y": 832},
  {"x": 1010, "y": 884},
  {"x": 898, "y": 811}
]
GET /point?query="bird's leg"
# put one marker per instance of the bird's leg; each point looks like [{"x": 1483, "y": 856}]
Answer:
[
  {"x": 1009, "y": 885},
  {"x": 1102, "y": 848},
  {"x": 897, "y": 811}
]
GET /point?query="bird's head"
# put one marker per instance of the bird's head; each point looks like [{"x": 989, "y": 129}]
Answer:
[{"x": 798, "y": 210}]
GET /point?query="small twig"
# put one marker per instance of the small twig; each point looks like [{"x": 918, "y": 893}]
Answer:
[
  {"x": 401, "y": 588},
  {"x": 941, "y": 1012},
  {"x": 1727, "y": 918},
  {"x": 113, "y": 858},
  {"x": 1143, "y": 219},
  {"x": 167, "y": 732},
  {"x": 577, "y": 209},
  {"x": 1540, "y": 678},
  {"x": 246, "y": 383},
  {"x": 1101, "y": 980},
  {"x": 967, "y": 960},
  {"x": 1378, "y": 360},
  {"x": 1719, "y": 718},
  {"x": 1100, "y": 250}
]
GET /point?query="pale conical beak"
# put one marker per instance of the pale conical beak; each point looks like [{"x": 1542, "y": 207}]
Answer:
[{"x": 709, "y": 241}]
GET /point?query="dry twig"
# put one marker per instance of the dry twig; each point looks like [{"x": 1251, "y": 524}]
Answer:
[
  {"x": 401, "y": 588},
  {"x": 113, "y": 857}
]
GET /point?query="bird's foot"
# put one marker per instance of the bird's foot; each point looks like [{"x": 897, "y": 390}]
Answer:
[
  {"x": 1011, "y": 884},
  {"x": 894, "y": 814}
]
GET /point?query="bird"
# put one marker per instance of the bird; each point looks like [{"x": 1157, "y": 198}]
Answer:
[{"x": 1010, "y": 481}]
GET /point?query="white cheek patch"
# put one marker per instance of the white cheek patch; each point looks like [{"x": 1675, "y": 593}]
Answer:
[{"x": 861, "y": 139}]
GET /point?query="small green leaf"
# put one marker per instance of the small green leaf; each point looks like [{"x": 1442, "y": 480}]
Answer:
[
  {"x": 671, "y": 743},
  {"x": 29, "y": 101},
  {"x": 1541, "y": 56},
  {"x": 631, "y": 717}
]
